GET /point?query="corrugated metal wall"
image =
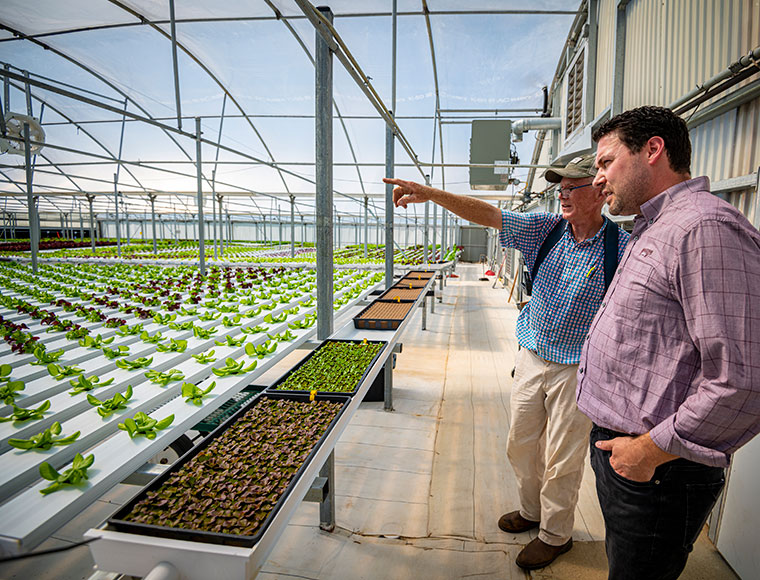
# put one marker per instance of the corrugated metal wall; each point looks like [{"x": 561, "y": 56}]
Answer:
[
  {"x": 605, "y": 56},
  {"x": 673, "y": 46}
]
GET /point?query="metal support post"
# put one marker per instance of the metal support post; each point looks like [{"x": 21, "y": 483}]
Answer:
[
  {"x": 34, "y": 241},
  {"x": 221, "y": 226},
  {"x": 116, "y": 204},
  {"x": 388, "y": 394},
  {"x": 425, "y": 231},
  {"x": 366, "y": 225},
  {"x": 90, "y": 199},
  {"x": 81, "y": 223},
  {"x": 213, "y": 212},
  {"x": 424, "y": 312},
  {"x": 327, "y": 505},
  {"x": 435, "y": 234},
  {"x": 389, "y": 138},
  {"x": 152, "y": 197},
  {"x": 324, "y": 191},
  {"x": 126, "y": 221},
  {"x": 199, "y": 165},
  {"x": 175, "y": 64},
  {"x": 292, "y": 226}
]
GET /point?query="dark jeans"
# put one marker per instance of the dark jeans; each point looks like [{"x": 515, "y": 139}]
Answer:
[{"x": 651, "y": 526}]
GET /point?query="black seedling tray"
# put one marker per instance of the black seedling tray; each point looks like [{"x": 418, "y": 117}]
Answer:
[
  {"x": 380, "y": 323},
  {"x": 228, "y": 408},
  {"x": 383, "y": 298},
  {"x": 419, "y": 275},
  {"x": 117, "y": 521},
  {"x": 282, "y": 379}
]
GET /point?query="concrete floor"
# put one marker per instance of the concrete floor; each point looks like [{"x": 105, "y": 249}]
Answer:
[{"x": 418, "y": 490}]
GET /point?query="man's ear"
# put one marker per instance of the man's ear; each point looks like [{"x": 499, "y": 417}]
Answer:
[{"x": 655, "y": 150}]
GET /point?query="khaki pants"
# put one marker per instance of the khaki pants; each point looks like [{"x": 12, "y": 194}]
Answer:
[{"x": 547, "y": 444}]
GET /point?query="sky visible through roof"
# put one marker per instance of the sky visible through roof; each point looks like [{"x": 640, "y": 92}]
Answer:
[{"x": 484, "y": 61}]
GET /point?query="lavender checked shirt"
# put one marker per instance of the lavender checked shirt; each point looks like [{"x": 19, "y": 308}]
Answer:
[{"x": 674, "y": 349}]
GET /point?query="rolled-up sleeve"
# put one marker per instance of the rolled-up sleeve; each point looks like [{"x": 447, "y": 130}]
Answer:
[{"x": 716, "y": 279}]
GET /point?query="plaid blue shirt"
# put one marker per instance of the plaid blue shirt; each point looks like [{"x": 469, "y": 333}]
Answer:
[{"x": 568, "y": 288}]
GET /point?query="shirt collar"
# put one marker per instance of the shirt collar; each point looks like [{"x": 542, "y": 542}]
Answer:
[
  {"x": 655, "y": 206},
  {"x": 569, "y": 233}
]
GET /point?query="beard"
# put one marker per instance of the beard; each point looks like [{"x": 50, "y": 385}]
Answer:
[{"x": 626, "y": 197}]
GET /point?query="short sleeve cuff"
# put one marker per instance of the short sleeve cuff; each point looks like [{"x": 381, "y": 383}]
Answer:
[
  {"x": 667, "y": 438},
  {"x": 505, "y": 239}
]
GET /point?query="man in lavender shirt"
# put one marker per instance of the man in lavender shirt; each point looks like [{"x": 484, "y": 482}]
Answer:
[{"x": 670, "y": 371}]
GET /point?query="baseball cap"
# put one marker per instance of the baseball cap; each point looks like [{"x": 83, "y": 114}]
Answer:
[{"x": 576, "y": 168}]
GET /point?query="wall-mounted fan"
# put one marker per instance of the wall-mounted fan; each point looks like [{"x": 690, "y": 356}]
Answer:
[{"x": 14, "y": 126}]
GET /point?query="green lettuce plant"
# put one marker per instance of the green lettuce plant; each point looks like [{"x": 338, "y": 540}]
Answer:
[
  {"x": 173, "y": 346},
  {"x": 138, "y": 363},
  {"x": 261, "y": 350},
  {"x": 144, "y": 425},
  {"x": 112, "y": 353},
  {"x": 164, "y": 379},
  {"x": 194, "y": 394},
  {"x": 72, "y": 476},
  {"x": 115, "y": 403},
  {"x": 205, "y": 358},
  {"x": 45, "y": 358},
  {"x": 59, "y": 372},
  {"x": 44, "y": 440},
  {"x": 21, "y": 414},
  {"x": 229, "y": 341},
  {"x": 83, "y": 384},
  {"x": 232, "y": 367}
]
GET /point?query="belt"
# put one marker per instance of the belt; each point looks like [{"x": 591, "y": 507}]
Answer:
[{"x": 610, "y": 433}]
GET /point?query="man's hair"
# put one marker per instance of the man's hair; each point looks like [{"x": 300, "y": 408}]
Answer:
[{"x": 635, "y": 127}]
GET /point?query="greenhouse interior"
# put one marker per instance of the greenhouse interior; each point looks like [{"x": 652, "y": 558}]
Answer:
[{"x": 230, "y": 350}]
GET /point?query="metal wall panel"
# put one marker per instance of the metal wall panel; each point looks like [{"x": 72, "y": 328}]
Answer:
[
  {"x": 729, "y": 145},
  {"x": 605, "y": 57},
  {"x": 673, "y": 46}
]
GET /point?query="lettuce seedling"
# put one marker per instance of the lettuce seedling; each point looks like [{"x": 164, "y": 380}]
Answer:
[
  {"x": 10, "y": 388},
  {"x": 142, "y": 424},
  {"x": 286, "y": 336},
  {"x": 164, "y": 318},
  {"x": 155, "y": 339},
  {"x": 233, "y": 368},
  {"x": 45, "y": 358},
  {"x": 189, "y": 325},
  {"x": 173, "y": 346},
  {"x": 194, "y": 394},
  {"x": 44, "y": 439},
  {"x": 125, "y": 330},
  {"x": 133, "y": 365},
  {"x": 205, "y": 358},
  {"x": 204, "y": 333},
  {"x": 72, "y": 476},
  {"x": 261, "y": 350},
  {"x": 115, "y": 403},
  {"x": 229, "y": 341},
  {"x": 164, "y": 379},
  {"x": 276, "y": 319},
  {"x": 208, "y": 315},
  {"x": 59, "y": 372},
  {"x": 84, "y": 384},
  {"x": 228, "y": 322},
  {"x": 97, "y": 342},
  {"x": 112, "y": 353},
  {"x": 255, "y": 329},
  {"x": 21, "y": 414}
]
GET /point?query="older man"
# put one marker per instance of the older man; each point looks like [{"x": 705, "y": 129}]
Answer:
[
  {"x": 670, "y": 374},
  {"x": 548, "y": 435}
]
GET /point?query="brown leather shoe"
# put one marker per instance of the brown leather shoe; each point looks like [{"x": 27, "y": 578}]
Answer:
[
  {"x": 539, "y": 554},
  {"x": 514, "y": 523}
]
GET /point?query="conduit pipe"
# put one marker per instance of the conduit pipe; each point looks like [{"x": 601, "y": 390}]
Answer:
[
  {"x": 536, "y": 124},
  {"x": 752, "y": 58}
]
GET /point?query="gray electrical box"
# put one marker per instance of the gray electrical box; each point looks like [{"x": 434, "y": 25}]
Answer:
[{"x": 489, "y": 142}]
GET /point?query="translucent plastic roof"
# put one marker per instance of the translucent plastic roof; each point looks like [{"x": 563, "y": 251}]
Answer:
[{"x": 252, "y": 60}]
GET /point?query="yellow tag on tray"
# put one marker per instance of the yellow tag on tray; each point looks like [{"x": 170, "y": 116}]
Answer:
[
  {"x": 398, "y": 299},
  {"x": 312, "y": 395},
  {"x": 364, "y": 341},
  {"x": 410, "y": 285}
]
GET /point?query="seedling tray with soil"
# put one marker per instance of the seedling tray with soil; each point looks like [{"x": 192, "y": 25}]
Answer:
[
  {"x": 418, "y": 275},
  {"x": 336, "y": 366},
  {"x": 410, "y": 283},
  {"x": 402, "y": 294},
  {"x": 383, "y": 315},
  {"x": 229, "y": 488}
]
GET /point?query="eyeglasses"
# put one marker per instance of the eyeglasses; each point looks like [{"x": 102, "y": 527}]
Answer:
[{"x": 569, "y": 190}]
